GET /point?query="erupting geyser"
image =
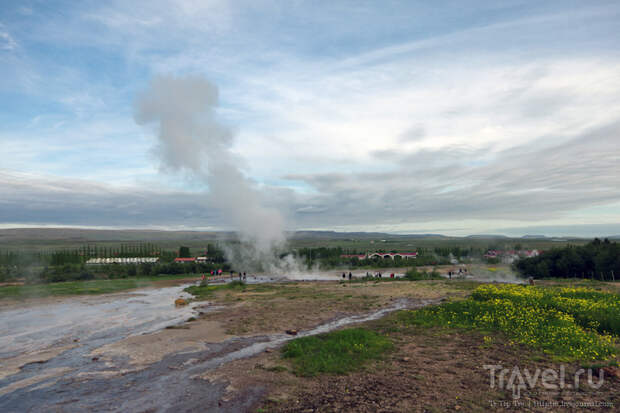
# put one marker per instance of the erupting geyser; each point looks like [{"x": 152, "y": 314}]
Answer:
[{"x": 191, "y": 139}]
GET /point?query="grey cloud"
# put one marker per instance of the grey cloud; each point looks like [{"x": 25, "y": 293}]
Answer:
[
  {"x": 531, "y": 182},
  {"x": 311, "y": 209},
  {"x": 413, "y": 134},
  {"x": 37, "y": 200}
]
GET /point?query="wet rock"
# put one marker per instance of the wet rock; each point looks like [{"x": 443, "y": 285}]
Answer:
[
  {"x": 180, "y": 302},
  {"x": 37, "y": 362}
]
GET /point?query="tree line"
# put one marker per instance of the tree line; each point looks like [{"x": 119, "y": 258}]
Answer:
[
  {"x": 598, "y": 260},
  {"x": 69, "y": 264}
]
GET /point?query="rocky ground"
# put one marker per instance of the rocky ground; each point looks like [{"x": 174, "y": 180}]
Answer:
[
  {"x": 228, "y": 359},
  {"x": 430, "y": 371}
]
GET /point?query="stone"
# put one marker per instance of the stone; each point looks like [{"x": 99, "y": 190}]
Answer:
[{"x": 180, "y": 302}]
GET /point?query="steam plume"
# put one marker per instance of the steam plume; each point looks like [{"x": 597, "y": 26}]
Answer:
[{"x": 190, "y": 138}]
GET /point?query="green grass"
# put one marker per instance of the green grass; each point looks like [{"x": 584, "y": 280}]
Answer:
[
  {"x": 529, "y": 315},
  {"x": 338, "y": 352},
  {"x": 70, "y": 288},
  {"x": 203, "y": 292},
  {"x": 21, "y": 292}
]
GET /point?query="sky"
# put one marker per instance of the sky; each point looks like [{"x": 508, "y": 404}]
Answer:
[{"x": 406, "y": 117}]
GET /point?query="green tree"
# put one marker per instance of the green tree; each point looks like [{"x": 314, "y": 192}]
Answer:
[{"x": 184, "y": 252}]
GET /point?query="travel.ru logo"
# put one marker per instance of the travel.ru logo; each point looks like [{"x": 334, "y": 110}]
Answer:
[{"x": 517, "y": 380}]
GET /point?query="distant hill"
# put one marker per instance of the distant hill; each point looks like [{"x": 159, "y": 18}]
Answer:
[
  {"x": 79, "y": 235},
  {"x": 127, "y": 235},
  {"x": 84, "y": 235},
  {"x": 487, "y": 236}
]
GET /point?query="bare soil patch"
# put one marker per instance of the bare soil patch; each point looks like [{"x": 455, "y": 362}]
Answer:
[
  {"x": 275, "y": 308},
  {"x": 431, "y": 371}
]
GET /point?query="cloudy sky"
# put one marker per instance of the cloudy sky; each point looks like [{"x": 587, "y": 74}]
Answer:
[{"x": 447, "y": 117}]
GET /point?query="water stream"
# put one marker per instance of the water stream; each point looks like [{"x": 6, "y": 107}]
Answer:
[{"x": 89, "y": 318}]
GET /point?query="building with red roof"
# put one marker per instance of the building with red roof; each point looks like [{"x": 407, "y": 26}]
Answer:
[{"x": 185, "y": 260}]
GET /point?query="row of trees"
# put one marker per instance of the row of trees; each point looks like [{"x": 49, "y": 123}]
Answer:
[
  {"x": 84, "y": 253},
  {"x": 70, "y": 263},
  {"x": 598, "y": 260},
  {"x": 73, "y": 272}
]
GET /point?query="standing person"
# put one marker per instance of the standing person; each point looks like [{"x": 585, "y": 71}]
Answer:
[
  {"x": 344, "y": 276},
  {"x": 350, "y": 275}
]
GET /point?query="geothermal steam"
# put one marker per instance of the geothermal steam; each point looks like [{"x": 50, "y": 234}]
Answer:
[{"x": 191, "y": 139}]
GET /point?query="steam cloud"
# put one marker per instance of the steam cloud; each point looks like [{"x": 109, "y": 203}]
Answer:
[{"x": 190, "y": 138}]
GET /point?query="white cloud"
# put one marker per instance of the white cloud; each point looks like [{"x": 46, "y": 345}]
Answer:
[
  {"x": 416, "y": 128},
  {"x": 6, "y": 40}
]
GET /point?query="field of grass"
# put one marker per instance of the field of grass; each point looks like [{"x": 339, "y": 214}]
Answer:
[
  {"x": 203, "y": 292},
  {"x": 22, "y": 292},
  {"x": 337, "y": 352},
  {"x": 569, "y": 324}
]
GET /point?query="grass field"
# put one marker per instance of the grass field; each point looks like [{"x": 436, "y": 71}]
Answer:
[
  {"x": 203, "y": 292},
  {"x": 22, "y": 292}
]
